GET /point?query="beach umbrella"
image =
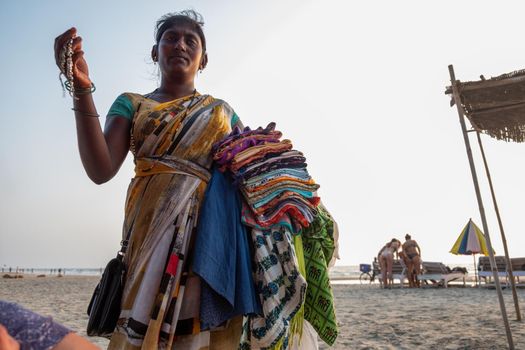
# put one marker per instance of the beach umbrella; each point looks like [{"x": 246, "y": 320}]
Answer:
[{"x": 471, "y": 241}]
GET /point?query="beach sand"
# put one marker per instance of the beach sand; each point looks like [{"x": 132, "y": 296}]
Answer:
[{"x": 369, "y": 317}]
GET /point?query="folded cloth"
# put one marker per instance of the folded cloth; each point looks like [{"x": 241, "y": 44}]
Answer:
[
  {"x": 265, "y": 171},
  {"x": 291, "y": 156},
  {"x": 302, "y": 216},
  {"x": 255, "y": 153},
  {"x": 286, "y": 196},
  {"x": 242, "y": 174},
  {"x": 278, "y": 185},
  {"x": 262, "y": 149},
  {"x": 262, "y": 200},
  {"x": 222, "y": 256},
  {"x": 275, "y": 174},
  {"x": 239, "y": 140},
  {"x": 263, "y": 185}
]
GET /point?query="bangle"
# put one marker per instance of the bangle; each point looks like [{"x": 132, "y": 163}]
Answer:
[
  {"x": 85, "y": 113},
  {"x": 79, "y": 91}
]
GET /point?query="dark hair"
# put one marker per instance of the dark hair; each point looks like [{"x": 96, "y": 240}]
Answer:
[
  {"x": 191, "y": 18},
  {"x": 407, "y": 236}
]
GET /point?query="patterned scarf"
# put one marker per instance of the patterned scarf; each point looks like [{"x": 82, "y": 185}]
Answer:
[
  {"x": 318, "y": 244},
  {"x": 280, "y": 285}
]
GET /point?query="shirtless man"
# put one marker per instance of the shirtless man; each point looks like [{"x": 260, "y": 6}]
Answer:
[{"x": 413, "y": 259}]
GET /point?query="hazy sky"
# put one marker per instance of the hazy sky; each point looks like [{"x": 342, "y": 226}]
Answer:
[{"x": 357, "y": 86}]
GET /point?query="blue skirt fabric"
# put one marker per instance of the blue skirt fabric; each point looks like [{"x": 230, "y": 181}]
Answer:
[{"x": 222, "y": 256}]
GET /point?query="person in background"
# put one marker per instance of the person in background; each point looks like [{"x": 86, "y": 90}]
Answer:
[
  {"x": 413, "y": 257},
  {"x": 386, "y": 259}
]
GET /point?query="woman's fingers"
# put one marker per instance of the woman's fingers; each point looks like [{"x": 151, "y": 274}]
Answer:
[
  {"x": 62, "y": 39},
  {"x": 77, "y": 55},
  {"x": 77, "y": 44},
  {"x": 80, "y": 68}
]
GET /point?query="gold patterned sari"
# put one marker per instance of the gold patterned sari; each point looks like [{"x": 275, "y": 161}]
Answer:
[{"x": 171, "y": 144}]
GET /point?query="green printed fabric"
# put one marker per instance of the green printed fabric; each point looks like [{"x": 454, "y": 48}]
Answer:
[{"x": 318, "y": 245}]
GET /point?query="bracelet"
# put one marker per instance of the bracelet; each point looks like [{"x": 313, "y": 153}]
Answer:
[
  {"x": 79, "y": 91},
  {"x": 85, "y": 113}
]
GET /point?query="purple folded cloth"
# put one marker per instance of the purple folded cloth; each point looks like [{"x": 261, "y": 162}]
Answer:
[
  {"x": 237, "y": 133},
  {"x": 30, "y": 329},
  {"x": 238, "y": 141}
]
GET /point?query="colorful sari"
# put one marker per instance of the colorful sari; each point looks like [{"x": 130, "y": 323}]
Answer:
[{"x": 171, "y": 144}]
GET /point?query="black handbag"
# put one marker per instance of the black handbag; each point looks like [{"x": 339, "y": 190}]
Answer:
[{"x": 104, "y": 307}]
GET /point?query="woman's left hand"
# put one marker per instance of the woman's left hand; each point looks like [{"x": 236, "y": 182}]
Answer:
[{"x": 80, "y": 68}]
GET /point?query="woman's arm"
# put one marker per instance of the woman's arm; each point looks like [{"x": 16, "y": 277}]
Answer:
[
  {"x": 73, "y": 341},
  {"x": 380, "y": 251},
  {"x": 102, "y": 152}
]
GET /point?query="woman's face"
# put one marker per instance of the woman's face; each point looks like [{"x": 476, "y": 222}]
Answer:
[{"x": 179, "y": 53}]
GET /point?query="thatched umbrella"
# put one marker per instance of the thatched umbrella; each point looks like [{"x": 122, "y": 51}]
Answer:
[{"x": 495, "y": 107}]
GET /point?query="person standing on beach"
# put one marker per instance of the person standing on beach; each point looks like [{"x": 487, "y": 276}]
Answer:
[
  {"x": 170, "y": 132},
  {"x": 178, "y": 193},
  {"x": 386, "y": 260},
  {"x": 413, "y": 257}
]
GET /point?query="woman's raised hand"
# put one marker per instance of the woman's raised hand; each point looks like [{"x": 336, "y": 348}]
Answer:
[{"x": 80, "y": 67}]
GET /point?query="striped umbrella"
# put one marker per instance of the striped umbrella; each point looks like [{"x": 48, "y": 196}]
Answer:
[{"x": 471, "y": 241}]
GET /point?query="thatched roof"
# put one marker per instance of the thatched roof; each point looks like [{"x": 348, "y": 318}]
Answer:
[{"x": 496, "y": 106}]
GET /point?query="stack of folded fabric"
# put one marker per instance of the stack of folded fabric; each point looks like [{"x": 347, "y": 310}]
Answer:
[{"x": 270, "y": 174}]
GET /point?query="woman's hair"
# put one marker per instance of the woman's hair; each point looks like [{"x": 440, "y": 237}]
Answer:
[
  {"x": 394, "y": 240},
  {"x": 191, "y": 18}
]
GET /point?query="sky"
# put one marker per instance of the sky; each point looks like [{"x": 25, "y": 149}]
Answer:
[{"x": 357, "y": 86}]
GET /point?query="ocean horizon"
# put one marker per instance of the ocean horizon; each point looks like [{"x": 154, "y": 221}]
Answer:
[{"x": 336, "y": 272}]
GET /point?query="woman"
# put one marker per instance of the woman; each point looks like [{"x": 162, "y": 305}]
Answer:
[
  {"x": 170, "y": 132},
  {"x": 412, "y": 254},
  {"x": 386, "y": 259}
]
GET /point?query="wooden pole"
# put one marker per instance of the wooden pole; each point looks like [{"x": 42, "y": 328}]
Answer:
[
  {"x": 502, "y": 232},
  {"x": 457, "y": 99},
  {"x": 475, "y": 270}
]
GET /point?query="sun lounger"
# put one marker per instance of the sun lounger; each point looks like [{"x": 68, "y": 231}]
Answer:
[
  {"x": 485, "y": 271},
  {"x": 398, "y": 272},
  {"x": 439, "y": 274},
  {"x": 518, "y": 270}
]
